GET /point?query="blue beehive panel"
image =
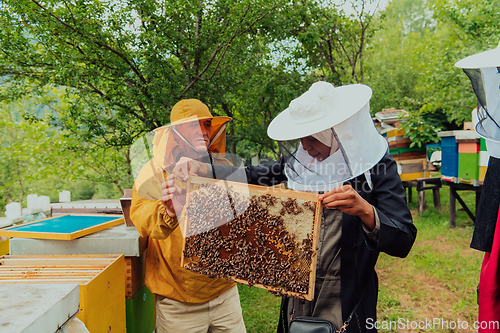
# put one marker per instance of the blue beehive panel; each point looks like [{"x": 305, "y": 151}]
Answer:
[
  {"x": 449, "y": 156},
  {"x": 448, "y": 141},
  {"x": 65, "y": 224}
]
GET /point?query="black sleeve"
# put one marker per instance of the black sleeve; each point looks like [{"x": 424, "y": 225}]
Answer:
[
  {"x": 268, "y": 174},
  {"x": 397, "y": 231}
]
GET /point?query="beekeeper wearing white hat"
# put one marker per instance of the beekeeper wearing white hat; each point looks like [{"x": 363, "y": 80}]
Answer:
[
  {"x": 483, "y": 70},
  {"x": 330, "y": 145}
]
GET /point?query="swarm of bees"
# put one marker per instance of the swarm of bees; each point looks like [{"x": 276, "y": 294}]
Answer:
[{"x": 258, "y": 239}]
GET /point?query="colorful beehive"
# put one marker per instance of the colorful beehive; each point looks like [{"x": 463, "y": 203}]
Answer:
[
  {"x": 462, "y": 157},
  {"x": 468, "y": 155},
  {"x": 101, "y": 280},
  {"x": 449, "y": 155},
  {"x": 399, "y": 146},
  {"x": 411, "y": 161},
  {"x": 468, "y": 166}
]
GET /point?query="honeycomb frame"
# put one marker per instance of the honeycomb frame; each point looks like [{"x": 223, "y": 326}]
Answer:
[{"x": 270, "y": 241}]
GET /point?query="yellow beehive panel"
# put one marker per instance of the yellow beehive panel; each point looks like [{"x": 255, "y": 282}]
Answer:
[
  {"x": 396, "y": 132},
  {"x": 482, "y": 172},
  {"x": 101, "y": 279},
  {"x": 4, "y": 246},
  {"x": 64, "y": 227},
  {"x": 103, "y": 301},
  {"x": 411, "y": 176},
  {"x": 256, "y": 235}
]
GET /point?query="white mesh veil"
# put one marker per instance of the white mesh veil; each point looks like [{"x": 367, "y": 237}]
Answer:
[
  {"x": 486, "y": 86},
  {"x": 156, "y": 154},
  {"x": 356, "y": 147}
]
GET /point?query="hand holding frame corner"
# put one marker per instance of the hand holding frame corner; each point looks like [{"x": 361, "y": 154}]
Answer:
[
  {"x": 172, "y": 196},
  {"x": 186, "y": 167}
]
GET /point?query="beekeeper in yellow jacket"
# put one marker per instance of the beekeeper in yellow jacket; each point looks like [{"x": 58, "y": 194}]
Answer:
[{"x": 185, "y": 301}]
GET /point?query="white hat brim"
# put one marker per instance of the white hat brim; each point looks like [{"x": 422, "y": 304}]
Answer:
[
  {"x": 482, "y": 133},
  {"x": 353, "y": 98},
  {"x": 485, "y": 59}
]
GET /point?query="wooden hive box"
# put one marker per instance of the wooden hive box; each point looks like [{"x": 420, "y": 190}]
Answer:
[
  {"x": 411, "y": 169},
  {"x": 135, "y": 268},
  {"x": 468, "y": 147},
  {"x": 141, "y": 312},
  {"x": 262, "y": 236},
  {"x": 101, "y": 280},
  {"x": 117, "y": 239},
  {"x": 449, "y": 156},
  {"x": 482, "y": 172}
]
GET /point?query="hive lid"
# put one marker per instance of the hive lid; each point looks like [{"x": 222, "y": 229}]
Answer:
[{"x": 37, "y": 308}]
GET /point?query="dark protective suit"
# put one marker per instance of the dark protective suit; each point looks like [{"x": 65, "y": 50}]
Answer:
[
  {"x": 487, "y": 210},
  {"x": 358, "y": 257}
]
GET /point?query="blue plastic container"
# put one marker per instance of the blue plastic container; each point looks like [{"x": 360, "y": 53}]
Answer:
[{"x": 432, "y": 147}]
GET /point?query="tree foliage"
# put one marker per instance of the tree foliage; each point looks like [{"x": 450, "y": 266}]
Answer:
[
  {"x": 38, "y": 158},
  {"x": 466, "y": 27},
  {"x": 124, "y": 64},
  {"x": 412, "y": 57},
  {"x": 332, "y": 41},
  {"x": 28, "y": 152},
  {"x": 392, "y": 68},
  {"x": 107, "y": 71}
]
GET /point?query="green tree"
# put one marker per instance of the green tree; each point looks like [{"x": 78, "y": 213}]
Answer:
[
  {"x": 29, "y": 153},
  {"x": 261, "y": 84},
  {"x": 39, "y": 158},
  {"x": 124, "y": 64},
  {"x": 393, "y": 55},
  {"x": 274, "y": 89},
  {"x": 332, "y": 42},
  {"x": 465, "y": 28},
  {"x": 411, "y": 61}
]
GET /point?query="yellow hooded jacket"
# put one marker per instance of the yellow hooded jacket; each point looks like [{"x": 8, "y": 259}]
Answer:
[{"x": 164, "y": 274}]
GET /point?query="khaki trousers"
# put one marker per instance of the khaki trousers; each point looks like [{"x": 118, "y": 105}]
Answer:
[{"x": 222, "y": 314}]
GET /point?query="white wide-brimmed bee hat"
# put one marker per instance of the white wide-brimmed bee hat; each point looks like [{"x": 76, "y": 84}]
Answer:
[
  {"x": 339, "y": 117},
  {"x": 483, "y": 70}
]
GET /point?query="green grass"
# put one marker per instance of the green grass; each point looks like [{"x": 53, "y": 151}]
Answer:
[
  {"x": 438, "y": 279},
  {"x": 260, "y": 309}
]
